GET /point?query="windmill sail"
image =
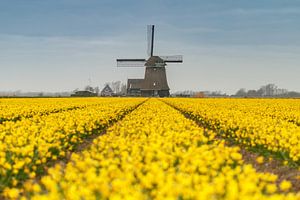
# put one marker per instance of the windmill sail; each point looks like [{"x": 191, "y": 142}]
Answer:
[
  {"x": 150, "y": 39},
  {"x": 131, "y": 62},
  {"x": 172, "y": 59},
  {"x": 155, "y": 81}
]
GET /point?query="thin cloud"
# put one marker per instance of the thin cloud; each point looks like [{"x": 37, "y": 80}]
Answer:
[{"x": 264, "y": 11}]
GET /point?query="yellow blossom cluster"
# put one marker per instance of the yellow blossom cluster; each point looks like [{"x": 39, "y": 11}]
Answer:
[
  {"x": 271, "y": 123},
  {"x": 155, "y": 153},
  {"x": 28, "y": 144},
  {"x": 17, "y": 108}
]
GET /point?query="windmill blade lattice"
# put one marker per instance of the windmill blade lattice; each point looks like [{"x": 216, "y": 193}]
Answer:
[
  {"x": 131, "y": 62},
  {"x": 172, "y": 59}
]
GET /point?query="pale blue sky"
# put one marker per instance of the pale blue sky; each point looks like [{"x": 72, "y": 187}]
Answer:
[{"x": 58, "y": 45}]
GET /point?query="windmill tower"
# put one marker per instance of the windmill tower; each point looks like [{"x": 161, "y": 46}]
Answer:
[{"x": 155, "y": 80}]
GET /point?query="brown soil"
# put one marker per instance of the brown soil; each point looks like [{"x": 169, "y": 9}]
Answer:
[{"x": 275, "y": 167}]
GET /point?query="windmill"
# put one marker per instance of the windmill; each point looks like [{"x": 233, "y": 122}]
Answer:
[{"x": 155, "y": 79}]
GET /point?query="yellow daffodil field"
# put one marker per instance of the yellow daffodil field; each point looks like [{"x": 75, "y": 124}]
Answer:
[
  {"x": 268, "y": 123},
  {"x": 139, "y": 148}
]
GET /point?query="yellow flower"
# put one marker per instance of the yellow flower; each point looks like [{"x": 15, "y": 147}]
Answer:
[
  {"x": 32, "y": 175},
  {"x": 260, "y": 159},
  {"x": 11, "y": 193},
  {"x": 285, "y": 185},
  {"x": 236, "y": 156},
  {"x": 271, "y": 188}
]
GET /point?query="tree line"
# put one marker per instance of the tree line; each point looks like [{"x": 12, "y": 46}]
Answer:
[{"x": 269, "y": 90}]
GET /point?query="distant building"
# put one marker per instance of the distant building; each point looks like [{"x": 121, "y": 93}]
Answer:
[
  {"x": 84, "y": 93},
  {"x": 134, "y": 87},
  {"x": 154, "y": 82},
  {"x": 107, "y": 91},
  {"x": 155, "y": 79}
]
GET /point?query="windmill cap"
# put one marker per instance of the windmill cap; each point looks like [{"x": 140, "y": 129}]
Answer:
[{"x": 153, "y": 60}]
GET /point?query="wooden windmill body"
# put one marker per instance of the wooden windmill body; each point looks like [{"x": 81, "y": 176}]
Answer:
[{"x": 155, "y": 80}]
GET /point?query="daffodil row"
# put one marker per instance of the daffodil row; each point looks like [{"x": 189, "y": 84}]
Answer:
[
  {"x": 27, "y": 145},
  {"x": 155, "y": 153},
  {"x": 270, "y": 123},
  {"x": 282, "y": 109},
  {"x": 16, "y": 109}
]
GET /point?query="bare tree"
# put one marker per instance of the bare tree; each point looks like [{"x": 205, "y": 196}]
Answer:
[
  {"x": 97, "y": 90},
  {"x": 241, "y": 92},
  {"x": 89, "y": 88},
  {"x": 116, "y": 86},
  {"x": 123, "y": 89},
  {"x": 270, "y": 89}
]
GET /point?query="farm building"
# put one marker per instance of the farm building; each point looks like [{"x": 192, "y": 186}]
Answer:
[
  {"x": 107, "y": 91},
  {"x": 134, "y": 87},
  {"x": 84, "y": 93}
]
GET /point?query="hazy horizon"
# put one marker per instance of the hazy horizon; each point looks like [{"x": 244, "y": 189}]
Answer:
[{"x": 56, "y": 46}]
